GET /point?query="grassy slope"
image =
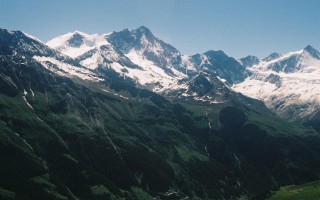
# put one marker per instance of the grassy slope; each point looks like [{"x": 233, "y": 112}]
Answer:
[
  {"x": 130, "y": 129},
  {"x": 101, "y": 146},
  {"x": 307, "y": 191}
]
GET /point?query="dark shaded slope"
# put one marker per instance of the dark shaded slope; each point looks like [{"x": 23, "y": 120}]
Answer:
[{"x": 68, "y": 138}]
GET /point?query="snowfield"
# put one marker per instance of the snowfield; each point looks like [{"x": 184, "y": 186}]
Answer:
[
  {"x": 67, "y": 70},
  {"x": 293, "y": 94}
]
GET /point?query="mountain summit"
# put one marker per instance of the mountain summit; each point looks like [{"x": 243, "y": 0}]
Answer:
[
  {"x": 288, "y": 84},
  {"x": 149, "y": 62},
  {"x": 124, "y": 115},
  {"x": 312, "y": 51},
  {"x": 140, "y": 56}
]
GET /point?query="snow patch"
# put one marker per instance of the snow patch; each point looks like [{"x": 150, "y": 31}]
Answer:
[
  {"x": 24, "y": 141},
  {"x": 25, "y": 99},
  {"x": 150, "y": 74},
  {"x": 188, "y": 65},
  {"x": 32, "y": 93},
  {"x": 67, "y": 70}
]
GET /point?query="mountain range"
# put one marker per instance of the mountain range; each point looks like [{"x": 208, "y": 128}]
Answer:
[
  {"x": 124, "y": 115},
  {"x": 287, "y": 84}
]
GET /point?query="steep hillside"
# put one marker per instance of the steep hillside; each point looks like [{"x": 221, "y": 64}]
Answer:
[{"x": 68, "y": 136}]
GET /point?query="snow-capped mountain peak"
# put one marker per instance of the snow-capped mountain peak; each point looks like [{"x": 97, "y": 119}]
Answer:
[
  {"x": 143, "y": 29},
  {"x": 249, "y": 61},
  {"x": 285, "y": 82},
  {"x": 138, "y": 54},
  {"x": 312, "y": 51},
  {"x": 14, "y": 42},
  {"x": 77, "y": 39},
  {"x": 288, "y": 84},
  {"x": 24, "y": 48},
  {"x": 77, "y": 43},
  {"x": 143, "y": 32},
  {"x": 143, "y": 43},
  {"x": 58, "y": 41},
  {"x": 272, "y": 56}
]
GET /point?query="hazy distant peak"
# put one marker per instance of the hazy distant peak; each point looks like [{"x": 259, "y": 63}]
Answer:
[
  {"x": 272, "y": 56},
  {"x": 312, "y": 51},
  {"x": 249, "y": 61}
]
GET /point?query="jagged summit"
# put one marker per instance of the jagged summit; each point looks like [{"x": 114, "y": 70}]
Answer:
[
  {"x": 288, "y": 83},
  {"x": 309, "y": 48},
  {"x": 312, "y": 51},
  {"x": 249, "y": 61},
  {"x": 143, "y": 29},
  {"x": 138, "y": 55},
  {"x": 80, "y": 33},
  {"x": 15, "y": 42},
  {"x": 76, "y": 43},
  {"x": 272, "y": 56},
  {"x": 76, "y": 40},
  {"x": 215, "y": 53},
  {"x": 89, "y": 127},
  {"x": 7, "y": 31}
]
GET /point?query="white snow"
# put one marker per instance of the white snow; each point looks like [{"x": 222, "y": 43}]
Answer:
[
  {"x": 75, "y": 52},
  {"x": 25, "y": 99},
  {"x": 150, "y": 74},
  {"x": 255, "y": 88},
  {"x": 39, "y": 119},
  {"x": 204, "y": 59},
  {"x": 64, "y": 69},
  {"x": 32, "y": 37},
  {"x": 24, "y": 141},
  {"x": 187, "y": 63},
  {"x": 60, "y": 40},
  {"x": 93, "y": 61},
  {"x": 32, "y": 93},
  {"x": 89, "y": 42},
  {"x": 222, "y": 80},
  {"x": 209, "y": 121},
  {"x": 116, "y": 94},
  {"x": 300, "y": 88}
]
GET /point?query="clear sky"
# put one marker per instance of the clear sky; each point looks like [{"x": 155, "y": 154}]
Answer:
[{"x": 238, "y": 27}]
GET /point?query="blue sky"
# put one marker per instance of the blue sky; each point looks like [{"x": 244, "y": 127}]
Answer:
[{"x": 238, "y": 27}]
